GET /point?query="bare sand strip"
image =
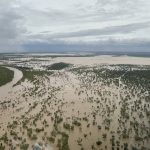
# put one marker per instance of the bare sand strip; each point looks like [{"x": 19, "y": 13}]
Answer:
[{"x": 7, "y": 87}]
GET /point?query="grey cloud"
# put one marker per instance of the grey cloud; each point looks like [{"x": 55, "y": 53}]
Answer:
[
  {"x": 9, "y": 26},
  {"x": 97, "y": 32},
  {"x": 109, "y": 30},
  {"x": 79, "y": 14},
  {"x": 72, "y": 22}
]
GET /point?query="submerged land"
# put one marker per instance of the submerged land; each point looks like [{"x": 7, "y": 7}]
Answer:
[{"x": 65, "y": 102}]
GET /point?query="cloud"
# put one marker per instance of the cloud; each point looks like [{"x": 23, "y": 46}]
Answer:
[
  {"x": 9, "y": 27},
  {"x": 124, "y": 29},
  {"x": 76, "y": 22}
]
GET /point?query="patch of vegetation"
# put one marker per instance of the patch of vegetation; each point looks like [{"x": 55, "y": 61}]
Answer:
[
  {"x": 39, "y": 130},
  {"x": 51, "y": 139},
  {"x": 76, "y": 123},
  {"x": 63, "y": 142},
  {"x": 13, "y": 134},
  {"x": 138, "y": 138},
  {"x": 4, "y": 138},
  {"x": 138, "y": 77},
  {"x": 68, "y": 126},
  {"x": 98, "y": 143},
  {"x": 34, "y": 137},
  {"x": 58, "y": 66},
  {"x": 2, "y": 147},
  {"x": 6, "y": 75},
  {"x": 32, "y": 74},
  {"x": 29, "y": 132},
  {"x": 24, "y": 146}
]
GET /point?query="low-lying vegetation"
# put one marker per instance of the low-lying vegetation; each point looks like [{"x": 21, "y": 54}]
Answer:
[
  {"x": 86, "y": 107},
  {"x": 58, "y": 66},
  {"x": 6, "y": 75},
  {"x": 31, "y": 74}
]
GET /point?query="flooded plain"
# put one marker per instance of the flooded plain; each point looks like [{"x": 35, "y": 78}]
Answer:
[{"x": 95, "y": 103}]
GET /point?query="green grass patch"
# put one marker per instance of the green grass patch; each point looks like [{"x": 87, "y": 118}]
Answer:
[
  {"x": 6, "y": 75},
  {"x": 58, "y": 66},
  {"x": 31, "y": 74}
]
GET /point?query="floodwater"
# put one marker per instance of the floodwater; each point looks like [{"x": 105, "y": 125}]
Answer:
[{"x": 72, "y": 96}]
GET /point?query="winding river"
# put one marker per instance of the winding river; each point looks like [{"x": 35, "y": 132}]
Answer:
[{"x": 5, "y": 89}]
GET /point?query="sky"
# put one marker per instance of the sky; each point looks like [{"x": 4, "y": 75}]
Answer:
[{"x": 74, "y": 25}]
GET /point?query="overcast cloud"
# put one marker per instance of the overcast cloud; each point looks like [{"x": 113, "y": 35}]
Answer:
[{"x": 27, "y": 25}]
